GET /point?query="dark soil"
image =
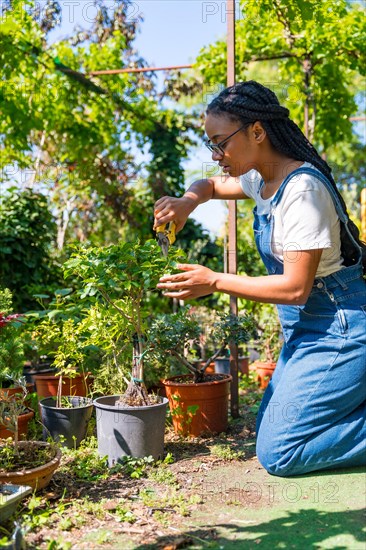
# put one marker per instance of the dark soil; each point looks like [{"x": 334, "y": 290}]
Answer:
[
  {"x": 189, "y": 379},
  {"x": 27, "y": 456}
]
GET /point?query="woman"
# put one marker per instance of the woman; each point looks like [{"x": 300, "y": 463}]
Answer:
[{"x": 312, "y": 416}]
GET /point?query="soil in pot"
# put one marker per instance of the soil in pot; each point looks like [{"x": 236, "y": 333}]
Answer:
[
  {"x": 69, "y": 422},
  {"x": 199, "y": 409},
  {"x": 47, "y": 385},
  {"x": 33, "y": 464},
  {"x": 129, "y": 431},
  {"x": 23, "y": 420}
]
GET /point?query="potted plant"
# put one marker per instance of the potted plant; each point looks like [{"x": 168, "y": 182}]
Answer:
[
  {"x": 30, "y": 463},
  {"x": 54, "y": 332},
  {"x": 67, "y": 417},
  {"x": 20, "y": 413},
  {"x": 268, "y": 344},
  {"x": 198, "y": 401},
  {"x": 120, "y": 277}
]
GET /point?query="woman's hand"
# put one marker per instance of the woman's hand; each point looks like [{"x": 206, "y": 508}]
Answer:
[
  {"x": 169, "y": 209},
  {"x": 193, "y": 282}
]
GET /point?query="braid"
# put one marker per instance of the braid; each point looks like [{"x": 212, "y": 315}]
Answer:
[{"x": 248, "y": 102}]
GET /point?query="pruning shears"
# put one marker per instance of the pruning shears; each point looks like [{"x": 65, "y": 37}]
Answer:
[{"x": 166, "y": 236}]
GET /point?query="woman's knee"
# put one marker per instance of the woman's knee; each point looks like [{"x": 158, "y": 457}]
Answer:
[{"x": 275, "y": 460}]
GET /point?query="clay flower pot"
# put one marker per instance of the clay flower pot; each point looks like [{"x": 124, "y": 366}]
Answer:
[
  {"x": 14, "y": 392},
  {"x": 198, "y": 408},
  {"x": 37, "y": 478},
  {"x": 47, "y": 385},
  {"x": 264, "y": 372},
  {"x": 23, "y": 420},
  {"x": 210, "y": 369}
]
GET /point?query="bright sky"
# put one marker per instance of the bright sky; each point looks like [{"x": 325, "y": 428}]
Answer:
[{"x": 172, "y": 33}]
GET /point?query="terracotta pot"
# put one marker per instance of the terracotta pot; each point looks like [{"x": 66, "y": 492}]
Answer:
[
  {"x": 264, "y": 372},
  {"x": 23, "y": 421},
  {"x": 37, "y": 478},
  {"x": 244, "y": 364},
  {"x": 47, "y": 385},
  {"x": 210, "y": 369},
  {"x": 13, "y": 392},
  {"x": 212, "y": 399}
]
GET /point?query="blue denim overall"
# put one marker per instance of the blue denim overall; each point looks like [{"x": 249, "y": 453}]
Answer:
[{"x": 312, "y": 416}]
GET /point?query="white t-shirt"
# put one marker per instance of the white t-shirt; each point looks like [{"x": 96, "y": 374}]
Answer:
[{"x": 304, "y": 219}]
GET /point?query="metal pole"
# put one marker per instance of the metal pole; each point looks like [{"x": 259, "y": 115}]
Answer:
[
  {"x": 140, "y": 70},
  {"x": 363, "y": 214},
  {"x": 232, "y": 256}
]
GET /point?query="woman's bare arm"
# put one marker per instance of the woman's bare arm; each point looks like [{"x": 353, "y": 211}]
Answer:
[
  {"x": 292, "y": 287},
  {"x": 167, "y": 209}
]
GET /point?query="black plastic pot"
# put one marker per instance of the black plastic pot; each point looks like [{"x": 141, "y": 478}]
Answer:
[
  {"x": 129, "y": 431},
  {"x": 222, "y": 365},
  {"x": 69, "y": 422},
  {"x": 29, "y": 371}
]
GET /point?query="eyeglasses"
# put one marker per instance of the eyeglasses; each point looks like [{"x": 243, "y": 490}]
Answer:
[{"x": 217, "y": 147}]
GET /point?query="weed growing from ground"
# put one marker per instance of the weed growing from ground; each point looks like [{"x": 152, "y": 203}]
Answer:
[
  {"x": 139, "y": 467},
  {"x": 123, "y": 513},
  {"x": 225, "y": 452},
  {"x": 133, "y": 467},
  {"x": 162, "y": 475},
  {"x": 58, "y": 544},
  {"x": 85, "y": 463}
]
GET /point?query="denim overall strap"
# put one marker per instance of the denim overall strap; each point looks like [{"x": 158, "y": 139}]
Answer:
[
  {"x": 339, "y": 209},
  {"x": 263, "y": 230}
]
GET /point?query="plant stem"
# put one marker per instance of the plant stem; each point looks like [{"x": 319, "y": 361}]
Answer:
[
  {"x": 190, "y": 367},
  {"x": 59, "y": 393},
  {"x": 213, "y": 357},
  {"x": 107, "y": 299}
]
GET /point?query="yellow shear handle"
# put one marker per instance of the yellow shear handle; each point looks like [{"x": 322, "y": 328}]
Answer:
[{"x": 169, "y": 230}]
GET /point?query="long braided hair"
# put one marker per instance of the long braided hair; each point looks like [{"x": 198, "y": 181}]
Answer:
[{"x": 248, "y": 102}]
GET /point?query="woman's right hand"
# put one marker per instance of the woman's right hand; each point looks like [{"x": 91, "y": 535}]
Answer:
[{"x": 169, "y": 209}]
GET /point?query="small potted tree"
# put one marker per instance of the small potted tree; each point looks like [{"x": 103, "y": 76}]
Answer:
[
  {"x": 198, "y": 401},
  {"x": 120, "y": 277}
]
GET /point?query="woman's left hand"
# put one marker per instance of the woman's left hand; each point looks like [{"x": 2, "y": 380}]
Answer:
[{"x": 193, "y": 282}]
